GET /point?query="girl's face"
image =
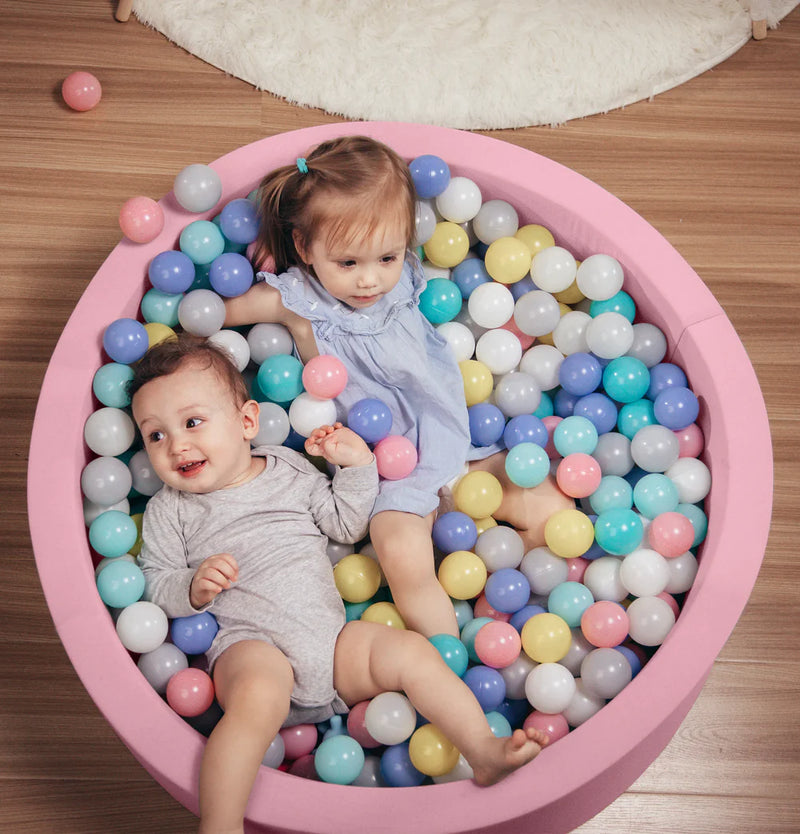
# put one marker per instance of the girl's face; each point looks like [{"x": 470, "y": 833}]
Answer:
[{"x": 358, "y": 273}]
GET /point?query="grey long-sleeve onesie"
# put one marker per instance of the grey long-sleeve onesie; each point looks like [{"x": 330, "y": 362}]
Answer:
[{"x": 276, "y": 527}]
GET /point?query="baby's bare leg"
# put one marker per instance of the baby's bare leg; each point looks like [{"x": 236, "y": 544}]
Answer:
[
  {"x": 254, "y": 682},
  {"x": 405, "y": 552},
  {"x": 525, "y": 508},
  {"x": 372, "y": 658}
]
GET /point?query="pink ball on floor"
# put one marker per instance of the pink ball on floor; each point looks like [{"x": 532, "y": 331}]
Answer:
[
  {"x": 324, "y": 376},
  {"x": 396, "y": 457},
  {"x": 190, "y": 692},
  {"x": 578, "y": 475},
  {"x": 141, "y": 219},
  {"x": 670, "y": 534},
  {"x": 81, "y": 91}
]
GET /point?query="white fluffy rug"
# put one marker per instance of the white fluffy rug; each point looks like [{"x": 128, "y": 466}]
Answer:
[{"x": 472, "y": 64}]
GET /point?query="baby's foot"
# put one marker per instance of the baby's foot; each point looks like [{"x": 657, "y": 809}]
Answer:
[{"x": 505, "y": 755}]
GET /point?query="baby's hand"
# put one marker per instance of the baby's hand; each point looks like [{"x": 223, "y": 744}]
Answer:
[
  {"x": 339, "y": 445},
  {"x": 215, "y": 574}
]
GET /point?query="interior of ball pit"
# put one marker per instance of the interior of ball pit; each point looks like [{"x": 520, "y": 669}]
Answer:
[{"x": 587, "y": 769}]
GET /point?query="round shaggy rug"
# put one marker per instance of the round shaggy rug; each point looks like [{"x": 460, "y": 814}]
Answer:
[{"x": 468, "y": 64}]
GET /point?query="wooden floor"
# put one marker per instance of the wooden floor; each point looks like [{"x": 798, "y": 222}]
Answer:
[{"x": 714, "y": 165}]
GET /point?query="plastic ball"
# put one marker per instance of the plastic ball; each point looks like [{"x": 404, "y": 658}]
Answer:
[
  {"x": 500, "y": 547},
  {"x": 106, "y": 480},
  {"x": 644, "y": 572},
  {"x": 125, "y": 341},
  {"x": 569, "y": 533},
  {"x": 655, "y": 494},
  {"x": 649, "y": 343},
  {"x": 550, "y": 687},
  {"x": 612, "y": 493},
  {"x": 190, "y": 692},
  {"x": 692, "y": 478},
  {"x": 507, "y": 590},
  {"x": 397, "y": 770},
  {"x": 515, "y": 674},
  {"x": 621, "y": 303},
  {"x": 161, "y": 664},
  {"x": 109, "y": 431},
  {"x": 486, "y": 424},
  {"x": 517, "y": 393},
  {"x": 553, "y": 269},
  {"x": 280, "y": 377},
  {"x": 575, "y": 434},
  {"x": 578, "y": 475},
  {"x": 171, "y": 272},
  {"x": 665, "y": 375},
  {"x": 569, "y": 600},
  {"x": 197, "y": 188},
  {"x": 487, "y": 686},
  {"x": 655, "y": 448},
  {"x": 536, "y": 313},
  {"x": 491, "y": 305},
  {"x": 371, "y": 419},
  {"x": 201, "y": 312},
  {"x": 390, "y": 718},
  {"x": 690, "y": 440},
  {"x": 141, "y": 219},
  {"x": 356, "y": 728},
  {"x": 580, "y": 373},
  {"x": 440, "y": 301},
  {"x": 324, "y": 376},
  {"x": 424, "y": 221},
  {"x": 496, "y": 219},
  {"x": 110, "y": 384},
  {"x": 543, "y": 363},
  {"x": 609, "y": 335},
  {"x": 600, "y": 277},
  {"x": 142, "y": 627},
  {"x": 676, "y": 407},
  {"x": 162, "y": 307},
  {"x": 112, "y": 533},
  {"x": 268, "y": 339},
  {"x": 554, "y": 725},
  {"x": 307, "y": 412},
  {"x": 546, "y": 637},
  {"x": 634, "y": 416},
  {"x": 81, "y": 91},
  {"x": 699, "y": 521},
  {"x": 599, "y": 409},
  {"x": 431, "y": 752},
  {"x": 384, "y": 613},
  {"x": 231, "y": 274},
  {"x": 613, "y": 453},
  {"x": 460, "y": 201},
  {"x": 651, "y": 620},
  {"x": 543, "y": 569},
  {"x": 448, "y": 245},
  {"x": 670, "y": 534},
  {"x": 605, "y": 623},
  {"x": 202, "y": 241},
  {"x": 535, "y": 236},
  {"x": 339, "y": 760},
  {"x": 500, "y": 350},
  {"x": 524, "y": 428},
  {"x": 618, "y": 531},
  {"x": 605, "y": 672},
  {"x": 454, "y": 531},
  {"x": 682, "y": 573},
  {"x": 453, "y": 652},
  {"x": 357, "y": 577},
  {"x": 430, "y": 174},
  {"x": 508, "y": 260},
  {"x": 273, "y": 425},
  {"x": 396, "y": 456},
  {"x": 239, "y": 221},
  {"x": 626, "y": 379},
  {"x": 234, "y": 344},
  {"x": 569, "y": 335},
  {"x": 120, "y": 583},
  {"x": 195, "y": 633},
  {"x": 478, "y": 494},
  {"x": 462, "y": 574}
]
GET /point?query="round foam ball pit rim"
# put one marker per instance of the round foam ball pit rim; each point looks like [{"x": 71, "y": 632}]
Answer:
[{"x": 585, "y": 771}]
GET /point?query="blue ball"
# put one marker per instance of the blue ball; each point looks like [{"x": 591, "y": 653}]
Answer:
[
  {"x": 120, "y": 583},
  {"x": 440, "y": 301},
  {"x": 519, "y": 618},
  {"x": 527, "y": 464},
  {"x": 632, "y": 658},
  {"x": 654, "y": 494},
  {"x": 110, "y": 384},
  {"x": 564, "y": 403},
  {"x": 525, "y": 428},
  {"x": 486, "y": 424},
  {"x": 396, "y": 768},
  {"x": 161, "y": 307},
  {"x": 519, "y": 288},
  {"x": 499, "y": 724},
  {"x": 569, "y": 600},
  {"x": 231, "y": 274},
  {"x": 664, "y": 375},
  {"x": 239, "y": 221},
  {"x": 698, "y": 518},
  {"x": 618, "y": 532},
  {"x": 598, "y": 409},
  {"x": 467, "y": 275},
  {"x": 194, "y": 634},
  {"x": 487, "y": 685},
  {"x": 545, "y": 407},
  {"x": 575, "y": 434},
  {"x": 507, "y": 590},
  {"x": 202, "y": 241},
  {"x": 676, "y": 407},
  {"x": 125, "y": 341},
  {"x": 634, "y": 416},
  {"x": 613, "y": 493},
  {"x": 280, "y": 377},
  {"x": 339, "y": 759},
  {"x": 431, "y": 175},
  {"x": 626, "y": 379},
  {"x": 453, "y": 652},
  {"x": 468, "y": 635},
  {"x": 580, "y": 373},
  {"x": 370, "y": 419},
  {"x": 620, "y": 303},
  {"x": 171, "y": 272},
  {"x": 454, "y": 531},
  {"x": 113, "y": 533}
]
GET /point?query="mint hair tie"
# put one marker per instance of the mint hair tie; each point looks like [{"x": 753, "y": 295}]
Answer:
[{"x": 302, "y": 165}]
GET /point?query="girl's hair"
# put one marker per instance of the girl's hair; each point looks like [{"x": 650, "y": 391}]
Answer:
[
  {"x": 353, "y": 186},
  {"x": 167, "y": 357}
]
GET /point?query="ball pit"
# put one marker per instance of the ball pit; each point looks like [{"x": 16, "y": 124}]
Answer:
[{"x": 610, "y": 747}]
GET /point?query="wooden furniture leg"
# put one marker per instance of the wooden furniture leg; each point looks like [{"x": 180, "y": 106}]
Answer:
[{"x": 123, "y": 11}]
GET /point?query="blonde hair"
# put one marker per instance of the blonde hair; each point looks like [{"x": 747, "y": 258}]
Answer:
[{"x": 353, "y": 186}]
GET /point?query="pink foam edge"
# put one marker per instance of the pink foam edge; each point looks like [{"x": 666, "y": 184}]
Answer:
[{"x": 590, "y": 767}]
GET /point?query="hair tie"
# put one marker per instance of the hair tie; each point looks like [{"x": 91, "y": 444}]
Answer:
[{"x": 302, "y": 165}]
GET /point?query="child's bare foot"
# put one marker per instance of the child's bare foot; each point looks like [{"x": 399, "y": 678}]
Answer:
[{"x": 504, "y": 755}]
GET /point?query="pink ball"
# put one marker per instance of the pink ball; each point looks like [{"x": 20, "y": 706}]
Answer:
[
  {"x": 550, "y": 424},
  {"x": 483, "y": 609},
  {"x": 357, "y": 727},
  {"x": 324, "y": 376},
  {"x": 524, "y": 339},
  {"x": 671, "y": 601},
  {"x": 555, "y": 725},
  {"x": 690, "y": 441},
  {"x": 578, "y": 475},
  {"x": 304, "y": 768},
  {"x": 670, "y": 534},
  {"x": 190, "y": 692},
  {"x": 396, "y": 457},
  {"x": 605, "y": 624},
  {"x": 498, "y": 644},
  {"x": 576, "y": 568},
  {"x": 299, "y": 740},
  {"x": 141, "y": 219},
  {"x": 81, "y": 90}
]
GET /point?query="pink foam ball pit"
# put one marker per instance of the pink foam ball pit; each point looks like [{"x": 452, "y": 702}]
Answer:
[{"x": 587, "y": 769}]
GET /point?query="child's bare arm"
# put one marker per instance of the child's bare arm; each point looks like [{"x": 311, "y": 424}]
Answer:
[
  {"x": 215, "y": 574},
  {"x": 339, "y": 445}
]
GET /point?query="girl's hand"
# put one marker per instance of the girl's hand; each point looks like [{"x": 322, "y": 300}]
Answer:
[
  {"x": 338, "y": 445},
  {"x": 215, "y": 574}
]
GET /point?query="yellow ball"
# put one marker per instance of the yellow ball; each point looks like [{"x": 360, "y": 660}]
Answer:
[
  {"x": 536, "y": 237},
  {"x": 508, "y": 260},
  {"x": 462, "y": 574},
  {"x": 357, "y": 577},
  {"x": 546, "y": 638},
  {"x": 384, "y": 613},
  {"x": 483, "y": 524},
  {"x": 569, "y": 533},
  {"x": 157, "y": 333},
  {"x": 478, "y": 494},
  {"x": 478, "y": 381},
  {"x": 137, "y": 546},
  {"x": 448, "y": 245},
  {"x": 431, "y": 752},
  {"x": 571, "y": 295}
]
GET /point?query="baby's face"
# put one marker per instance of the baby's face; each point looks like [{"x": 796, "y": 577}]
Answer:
[{"x": 196, "y": 436}]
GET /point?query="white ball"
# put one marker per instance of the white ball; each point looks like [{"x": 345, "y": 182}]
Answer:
[
  {"x": 234, "y": 344},
  {"x": 516, "y": 674},
  {"x": 109, "y": 431},
  {"x": 460, "y": 339},
  {"x": 605, "y": 672},
  {"x": 159, "y": 665},
  {"x": 682, "y": 572},
  {"x": 609, "y": 335},
  {"x": 542, "y": 362},
  {"x": 517, "y": 393},
  {"x": 461, "y": 771},
  {"x": 582, "y": 706},
  {"x": 536, "y": 313},
  {"x": 425, "y": 221},
  {"x": 651, "y": 619},
  {"x": 276, "y": 752},
  {"x": 655, "y": 448},
  {"x": 495, "y": 219},
  {"x": 500, "y": 350},
  {"x": 460, "y": 201},
  {"x": 106, "y": 480},
  {"x": 613, "y": 453},
  {"x": 273, "y": 425},
  {"x": 543, "y": 569},
  {"x": 569, "y": 335},
  {"x": 692, "y": 477},
  {"x": 308, "y": 412},
  {"x": 603, "y": 580},
  {"x": 431, "y": 271},
  {"x": 142, "y": 627},
  {"x": 550, "y": 687},
  {"x": 92, "y": 510},
  {"x": 143, "y": 475},
  {"x": 553, "y": 269},
  {"x": 649, "y": 344},
  {"x": 600, "y": 277},
  {"x": 578, "y": 649},
  {"x": 201, "y": 312},
  {"x": 644, "y": 572},
  {"x": 390, "y": 718},
  {"x": 491, "y": 304},
  {"x": 500, "y": 547},
  {"x": 268, "y": 339},
  {"x": 197, "y": 188}
]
